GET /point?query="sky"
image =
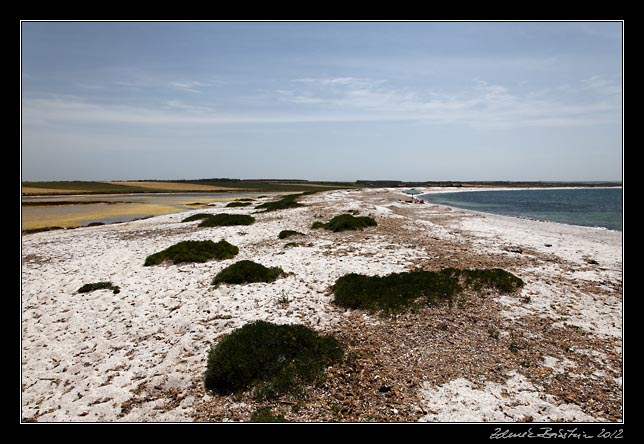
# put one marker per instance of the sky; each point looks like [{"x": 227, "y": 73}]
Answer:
[{"x": 322, "y": 100}]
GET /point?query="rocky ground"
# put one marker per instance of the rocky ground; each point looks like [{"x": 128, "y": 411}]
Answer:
[{"x": 552, "y": 352}]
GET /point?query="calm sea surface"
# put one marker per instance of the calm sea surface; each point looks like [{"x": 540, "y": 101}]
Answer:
[{"x": 591, "y": 207}]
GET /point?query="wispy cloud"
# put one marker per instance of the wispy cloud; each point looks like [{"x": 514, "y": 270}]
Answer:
[
  {"x": 192, "y": 86},
  {"x": 606, "y": 30},
  {"x": 351, "y": 99},
  {"x": 601, "y": 85},
  {"x": 178, "y": 105},
  {"x": 139, "y": 80},
  {"x": 54, "y": 111},
  {"x": 354, "y": 82},
  {"x": 482, "y": 104}
]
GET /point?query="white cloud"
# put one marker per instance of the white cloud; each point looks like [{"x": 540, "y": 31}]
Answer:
[
  {"x": 176, "y": 104},
  {"x": 55, "y": 111},
  {"x": 352, "y": 99},
  {"x": 601, "y": 85},
  {"x": 354, "y": 82},
  {"x": 189, "y": 86},
  {"x": 481, "y": 105}
]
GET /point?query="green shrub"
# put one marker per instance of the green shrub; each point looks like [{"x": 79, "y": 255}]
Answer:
[
  {"x": 345, "y": 222},
  {"x": 237, "y": 204},
  {"x": 396, "y": 291},
  {"x": 193, "y": 251},
  {"x": 95, "y": 224},
  {"x": 226, "y": 220},
  {"x": 501, "y": 280},
  {"x": 99, "y": 286},
  {"x": 264, "y": 414},
  {"x": 284, "y": 203},
  {"x": 288, "y": 233},
  {"x": 243, "y": 272},
  {"x": 197, "y": 216},
  {"x": 273, "y": 359}
]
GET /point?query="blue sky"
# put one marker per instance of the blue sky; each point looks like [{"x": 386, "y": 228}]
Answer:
[{"x": 322, "y": 100}]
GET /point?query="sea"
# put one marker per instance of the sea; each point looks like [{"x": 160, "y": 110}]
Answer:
[{"x": 589, "y": 207}]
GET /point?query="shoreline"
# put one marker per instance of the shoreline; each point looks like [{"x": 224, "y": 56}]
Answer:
[
  {"x": 140, "y": 355},
  {"x": 457, "y": 190}
]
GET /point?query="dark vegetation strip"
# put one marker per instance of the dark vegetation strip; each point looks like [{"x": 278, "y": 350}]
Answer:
[
  {"x": 398, "y": 291},
  {"x": 40, "y": 230},
  {"x": 227, "y": 220},
  {"x": 72, "y": 202},
  {"x": 237, "y": 204},
  {"x": 198, "y": 216},
  {"x": 284, "y": 203},
  {"x": 87, "y": 186},
  {"x": 288, "y": 233},
  {"x": 220, "y": 220},
  {"x": 268, "y": 185},
  {"x": 99, "y": 286}
]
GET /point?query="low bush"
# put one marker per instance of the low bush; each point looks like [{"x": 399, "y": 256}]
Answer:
[
  {"x": 345, "y": 222},
  {"x": 478, "y": 279},
  {"x": 193, "y": 251},
  {"x": 237, "y": 204},
  {"x": 40, "y": 230},
  {"x": 95, "y": 224},
  {"x": 226, "y": 220},
  {"x": 284, "y": 203},
  {"x": 244, "y": 272},
  {"x": 198, "y": 216},
  {"x": 265, "y": 415},
  {"x": 397, "y": 291},
  {"x": 99, "y": 286},
  {"x": 288, "y": 233},
  {"x": 269, "y": 358}
]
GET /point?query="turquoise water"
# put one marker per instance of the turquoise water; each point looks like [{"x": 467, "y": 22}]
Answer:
[{"x": 590, "y": 207}]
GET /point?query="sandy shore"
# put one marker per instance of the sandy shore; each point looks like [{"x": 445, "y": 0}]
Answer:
[{"x": 551, "y": 353}]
